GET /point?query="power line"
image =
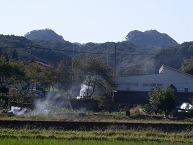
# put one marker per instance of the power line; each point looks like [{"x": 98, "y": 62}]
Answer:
[{"x": 101, "y": 53}]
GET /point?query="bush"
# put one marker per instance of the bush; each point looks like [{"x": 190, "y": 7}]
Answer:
[
  {"x": 147, "y": 109},
  {"x": 162, "y": 100}
]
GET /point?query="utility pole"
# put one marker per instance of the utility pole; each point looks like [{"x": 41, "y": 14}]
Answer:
[
  {"x": 115, "y": 61},
  {"x": 72, "y": 61},
  {"x": 72, "y": 56},
  {"x": 163, "y": 55},
  {"x": 107, "y": 56}
]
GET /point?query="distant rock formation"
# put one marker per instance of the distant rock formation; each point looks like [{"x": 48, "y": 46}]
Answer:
[
  {"x": 43, "y": 34},
  {"x": 150, "y": 38}
]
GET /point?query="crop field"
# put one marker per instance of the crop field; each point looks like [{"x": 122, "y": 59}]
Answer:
[
  {"x": 23, "y": 141},
  {"x": 112, "y": 135},
  {"x": 119, "y": 135},
  {"x": 102, "y": 117}
]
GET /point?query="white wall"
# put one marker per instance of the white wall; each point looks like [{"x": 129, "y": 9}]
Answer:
[{"x": 148, "y": 82}]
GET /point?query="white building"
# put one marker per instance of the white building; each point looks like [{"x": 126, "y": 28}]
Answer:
[{"x": 180, "y": 81}]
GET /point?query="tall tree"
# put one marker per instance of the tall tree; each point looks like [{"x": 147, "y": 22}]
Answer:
[
  {"x": 94, "y": 74},
  {"x": 162, "y": 100},
  {"x": 64, "y": 74}
]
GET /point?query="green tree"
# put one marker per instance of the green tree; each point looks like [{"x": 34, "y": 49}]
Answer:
[
  {"x": 93, "y": 73},
  {"x": 14, "y": 55},
  {"x": 107, "y": 102},
  {"x": 64, "y": 74},
  {"x": 33, "y": 71},
  {"x": 11, "y": 72},
  {"x": 47, "y": 75},
  {"x": 162, "y": 100},
  {"x": 40, "y": 74},
  {"x": 187, "y": 66}
]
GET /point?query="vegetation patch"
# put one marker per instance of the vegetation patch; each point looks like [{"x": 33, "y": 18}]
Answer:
[{"x": 110, "y": 135}]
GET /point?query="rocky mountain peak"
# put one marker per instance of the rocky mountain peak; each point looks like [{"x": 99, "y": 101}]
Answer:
[
  {"x": 43, "y": 34},
  {"x": 150, "y": 38}
]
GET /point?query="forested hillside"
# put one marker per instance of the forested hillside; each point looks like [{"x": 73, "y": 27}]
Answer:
[
  {"x": 127, "y": 55},
  {"x": 176, "y": 57},
  {"x": 128, "y": 58},
  {"x": 27, "y": 50}
]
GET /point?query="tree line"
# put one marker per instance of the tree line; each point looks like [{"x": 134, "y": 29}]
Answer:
[{"x": 92, "y": 72}]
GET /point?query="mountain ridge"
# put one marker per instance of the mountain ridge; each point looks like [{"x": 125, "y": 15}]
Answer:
[
  {"x": 131, "y": 59},
  {"x": 150, "y": 38},
  {"x": 43, "y": 34}
]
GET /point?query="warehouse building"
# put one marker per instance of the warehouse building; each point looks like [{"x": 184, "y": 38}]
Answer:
[{"x": 135, "y": 89}]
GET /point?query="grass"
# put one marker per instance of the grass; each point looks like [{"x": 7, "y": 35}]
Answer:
[
  {"x": 104, "y": 117},
  {"x": 112, "y": 134},
  {"x": 138, "y": 115},
  {"x": 23, "y": 141}
]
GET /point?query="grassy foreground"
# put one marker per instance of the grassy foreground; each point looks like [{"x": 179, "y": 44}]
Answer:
[
  {"x": 109, "y": 136},
  {"x": 23, "y": 141}
]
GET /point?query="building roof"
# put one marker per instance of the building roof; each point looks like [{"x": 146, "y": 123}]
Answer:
[
  {"x": 175, "y": 70},
  {"x": 160, "y": 72},
  {"x": 43, "y": 64}
]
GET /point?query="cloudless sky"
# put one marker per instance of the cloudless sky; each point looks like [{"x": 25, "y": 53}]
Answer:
[{"x": 98, "y": 20}]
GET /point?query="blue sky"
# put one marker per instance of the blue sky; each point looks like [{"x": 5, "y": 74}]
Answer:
[{"x": 98, "y": 20}]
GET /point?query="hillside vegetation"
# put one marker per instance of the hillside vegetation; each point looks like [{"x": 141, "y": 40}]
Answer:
[
  {"x": 27, "y": 50},
  {"x": 143, "y": 53},
  {"x": 176, "y": 57}
]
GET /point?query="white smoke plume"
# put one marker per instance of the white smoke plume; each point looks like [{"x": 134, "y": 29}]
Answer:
[
  {"x": 50, "y": 104},
  {"x": 46, "y": 107},
  {"x": 84, "y": 90}
]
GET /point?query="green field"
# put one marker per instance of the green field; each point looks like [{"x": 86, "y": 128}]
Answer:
[
  {"x": 111, "y": 136},
  {"x": 36, "y": 141},
  {"x": 114, "y": 135}
]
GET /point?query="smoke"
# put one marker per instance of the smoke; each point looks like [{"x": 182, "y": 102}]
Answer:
[
  {"x": 54, "y": 104},
  {"x": 84, "y": 90},
  {"x": 50, "y": 106}
]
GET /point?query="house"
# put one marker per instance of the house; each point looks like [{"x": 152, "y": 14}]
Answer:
[{"x": 128, "y": 88}]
